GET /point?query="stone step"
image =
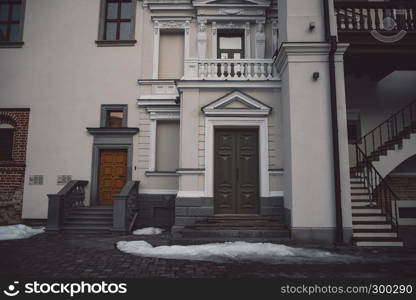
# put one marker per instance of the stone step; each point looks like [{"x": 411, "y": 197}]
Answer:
[
  {"x": 360, "y": 203},
  {"x": 374, "y": 234},
  {"x": 91, "y": 213},
  {"x": 369, "y": 218},
  {"x": 201, "y": 241},
  {"x": 365, "y": 210},
  {"x": 87, "y": 225},
  {"x": 86, "y": 229},
  {"x": 239, "y": 233},
  {"x": 377, "y": 242},
  {"x": 360, "y": 197},
  {"x": 108, "y": 218},
  {"x": 359, "y": 190}
]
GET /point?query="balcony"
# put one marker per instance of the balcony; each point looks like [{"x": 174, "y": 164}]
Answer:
[
  {"x": 230, "y": 69},
  {"x": 369, "y": 23}
]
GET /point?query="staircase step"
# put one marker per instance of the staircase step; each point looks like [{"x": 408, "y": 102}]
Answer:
[
  {"x": 359, "y": 210},
  {"x": 90, "y": 217},
  {"x": 360, "y": 203},
  {"x": 360, "y": 197},
  {"x": 88, "y": 222},
  {"x": 201, "y": 241},
  {"x": 380, "y": 218},
  {"x": 91, "y": 213},
  {"x": 374, "y": 234},
  {"x": 240, "y": 233},
  {"x": 85, "y": 229},
  {"x": 378, "y": 241},
  {"x": 359, "y": 190}
]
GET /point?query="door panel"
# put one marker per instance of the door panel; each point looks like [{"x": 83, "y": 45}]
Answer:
[
  {"x": 236, "y": 171},
  {"x": 224, "y": 175},
  {"x": 112, "y": 175},
  {"x": 247, "y": 185}
]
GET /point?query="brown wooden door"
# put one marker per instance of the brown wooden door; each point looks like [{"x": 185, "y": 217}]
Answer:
[
  {"x": 236, "y": 164},
  {"x": 112, "y": 175}
]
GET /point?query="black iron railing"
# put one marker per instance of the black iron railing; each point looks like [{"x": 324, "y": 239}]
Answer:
[
  {"x": 368, "y": 16},
  {"x": 381, "y": 195},
  {"x": 389, "y": 133}
]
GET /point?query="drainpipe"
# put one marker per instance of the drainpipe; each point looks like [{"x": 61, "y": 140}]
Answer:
[{"x": 332, "y": 39}]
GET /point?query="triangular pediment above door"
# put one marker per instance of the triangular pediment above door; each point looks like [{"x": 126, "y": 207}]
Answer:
[{"x": 236, "y": 103}]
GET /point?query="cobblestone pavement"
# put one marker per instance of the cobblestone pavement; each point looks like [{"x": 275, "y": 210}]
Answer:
[{"x": 91, "y": 256}]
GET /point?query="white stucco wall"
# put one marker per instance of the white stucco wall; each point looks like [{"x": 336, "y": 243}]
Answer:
[{"x": 63, "y": 77}]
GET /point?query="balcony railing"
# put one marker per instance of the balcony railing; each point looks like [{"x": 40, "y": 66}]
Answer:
[
  {"x": 230, "y": 69},
  {"x": 368, "y": 16}
]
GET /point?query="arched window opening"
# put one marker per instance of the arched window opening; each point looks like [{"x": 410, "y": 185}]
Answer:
[{"x": 6, "y": 142}]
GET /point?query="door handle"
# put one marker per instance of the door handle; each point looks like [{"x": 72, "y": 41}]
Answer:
[{"x": 237, "y": 173}]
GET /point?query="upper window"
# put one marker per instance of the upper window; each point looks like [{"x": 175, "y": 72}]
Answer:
[
  {"x": 6, "y": 141},
  {"x": 354, "y": 127},
  {"x": 117, "y": 20},
  {"x": 11, "y": 20},
  {"x": 231, "y": 44},
  {"x": 113, "y": 115}
]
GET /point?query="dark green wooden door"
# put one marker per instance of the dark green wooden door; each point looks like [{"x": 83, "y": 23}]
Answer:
[{"x": 236, "y": 164}]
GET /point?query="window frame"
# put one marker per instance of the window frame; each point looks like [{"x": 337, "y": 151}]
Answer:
[
  {"x": 354, "y": 118},
  {"x": 101, "y": 41},
  {"x": 106, "y": 108},
  {"x": 19, "y": 43},
  {"x": 231, "y": 33},
  {"x": 13, "y": 131}
]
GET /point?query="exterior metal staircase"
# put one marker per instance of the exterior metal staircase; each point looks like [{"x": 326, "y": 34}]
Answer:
[{"x": 374, "y": 203}]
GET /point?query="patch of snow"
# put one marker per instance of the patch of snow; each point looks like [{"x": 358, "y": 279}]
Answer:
[
  {"x": 17, "y": 232},
  {"x": 148, "y": 231},
  {"x": 234, "y": 251}
]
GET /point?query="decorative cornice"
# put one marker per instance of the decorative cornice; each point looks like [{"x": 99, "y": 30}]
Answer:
[
  {"x": 113, "y": 131},
  {"x": 302, "y": 52}
]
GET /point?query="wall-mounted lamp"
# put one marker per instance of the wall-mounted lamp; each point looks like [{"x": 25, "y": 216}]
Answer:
[
  {"x": 312, "y": 26},
  {"x": 315, "y": 76}
]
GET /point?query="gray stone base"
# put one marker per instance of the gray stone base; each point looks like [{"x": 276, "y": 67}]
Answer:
[
  {"x": 408, "y": 235},
  {"x": 271, "y": 206},
  {"x": 190, "y": 210},
  {"x": 156, "y": 210},
  {"x": 319, "y": 235}
]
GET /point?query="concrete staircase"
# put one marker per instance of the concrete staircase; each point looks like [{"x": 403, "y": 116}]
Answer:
[
  {"x": 89, "y": 219},
  {"x": 227, "y": 228},
  {"x": 370, "y": 225}
]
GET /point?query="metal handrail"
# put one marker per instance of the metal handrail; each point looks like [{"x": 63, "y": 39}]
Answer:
[
  {"x": 379, "y": 190},
  {"x": 386, "y": 134}
]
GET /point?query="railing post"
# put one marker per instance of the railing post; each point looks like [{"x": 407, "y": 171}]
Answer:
[
  {"x": 56, "y": 210},
  {"x": 120, "y": 213}
]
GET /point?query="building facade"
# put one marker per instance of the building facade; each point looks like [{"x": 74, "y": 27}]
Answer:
[{"x": 223, "y": 110}]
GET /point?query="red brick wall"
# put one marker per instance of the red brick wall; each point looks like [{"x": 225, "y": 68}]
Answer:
[
  {"x": 12, "y": 172},
  {"x": 404, "y": 187}
]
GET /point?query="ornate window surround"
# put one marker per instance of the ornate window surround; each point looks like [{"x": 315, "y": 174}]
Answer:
[{"x": 168, "y": 23}]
